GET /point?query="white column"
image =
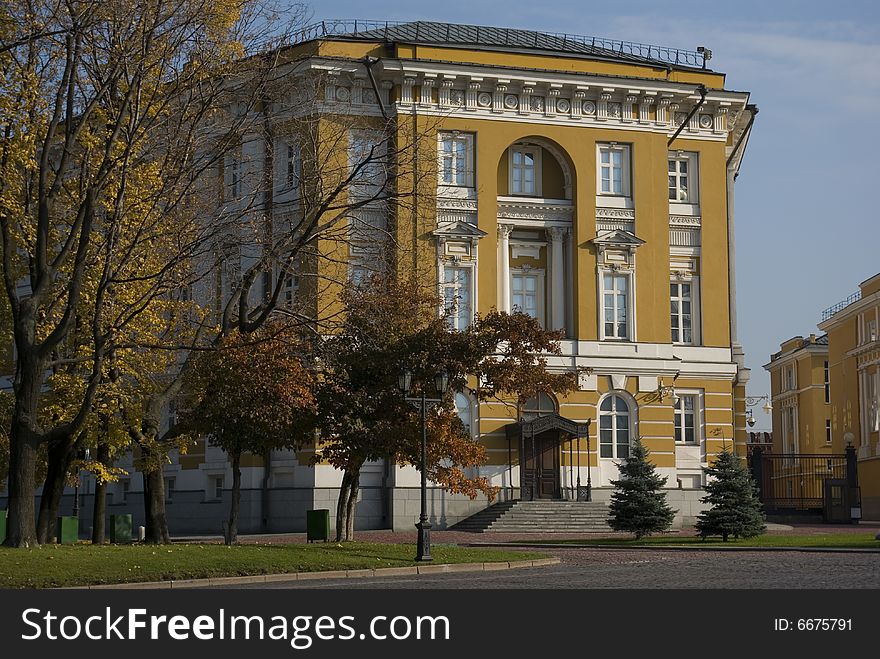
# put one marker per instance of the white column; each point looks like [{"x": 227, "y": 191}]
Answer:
[
  {"x": 504, "y": 266},
  {"x": 557, "y": 274}
]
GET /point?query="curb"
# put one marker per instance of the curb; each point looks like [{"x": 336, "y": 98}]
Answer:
[
  {"x": 333, "y": 574},
  {"x": 827, "y": 550}
]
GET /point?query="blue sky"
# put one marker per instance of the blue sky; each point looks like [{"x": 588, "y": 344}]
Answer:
[{"x": 806, "y": 230}]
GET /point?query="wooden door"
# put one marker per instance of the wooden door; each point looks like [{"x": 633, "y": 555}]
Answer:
[{"x": 541, "y": 464}]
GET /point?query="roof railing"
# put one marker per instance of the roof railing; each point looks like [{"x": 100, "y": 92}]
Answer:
[
  {"x": 830, "y": 311},
  {"x": 511, "y": 37}
]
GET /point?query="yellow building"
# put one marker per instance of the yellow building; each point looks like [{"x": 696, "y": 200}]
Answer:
[
  {"x": 587, "y": 182},
  {"x": 854, "y": 362},
  {"x": 590, "y": 184}
]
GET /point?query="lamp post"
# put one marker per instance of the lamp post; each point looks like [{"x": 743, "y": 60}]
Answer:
[
  {"x": 753, "y": 400},
  {"x": 423, "y": 404}
]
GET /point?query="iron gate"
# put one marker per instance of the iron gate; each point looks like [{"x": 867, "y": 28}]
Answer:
[{"x": 797, "y": 483}]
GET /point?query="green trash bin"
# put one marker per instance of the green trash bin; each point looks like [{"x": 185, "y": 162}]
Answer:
[
  {"x": 120, "y": 529},
  {"x": 318, "y": 525},
  {"x": 2, "y": 526},
  {"x": 67, "y": 530}
]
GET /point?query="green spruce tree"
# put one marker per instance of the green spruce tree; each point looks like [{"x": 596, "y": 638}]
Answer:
[
  {"x": 735, "y": 509},
  {"x": 636, "y": 504}
]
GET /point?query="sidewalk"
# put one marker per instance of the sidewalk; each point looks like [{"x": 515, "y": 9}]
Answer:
[{"x": 467, "y": 538}]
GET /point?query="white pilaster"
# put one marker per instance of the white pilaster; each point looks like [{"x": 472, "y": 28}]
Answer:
[
  {"x": 557, "y": 274},
  {"x": 504, "y": 266}
]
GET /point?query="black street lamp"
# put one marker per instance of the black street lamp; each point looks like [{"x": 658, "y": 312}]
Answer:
[{"x": 423, "y": 404}]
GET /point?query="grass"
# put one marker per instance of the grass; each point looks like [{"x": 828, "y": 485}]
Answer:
[
  {"x": 830, "y": 540},
  {"x": 83, "y": 564}
]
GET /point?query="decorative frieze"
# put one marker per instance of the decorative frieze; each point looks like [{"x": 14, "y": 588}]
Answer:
[
  {"x": 689, "y": 221},
  {"x": 522, "y": 209},
  {"x": 650, "y": 109}
]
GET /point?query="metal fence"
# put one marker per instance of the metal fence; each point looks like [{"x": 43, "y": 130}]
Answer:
[{"x": 796, "y": 482}]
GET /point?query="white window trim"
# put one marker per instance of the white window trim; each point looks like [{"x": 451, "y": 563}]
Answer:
[
  {"x": 472, "y": 275},
  {"x": 610, "y": 199},
  {"x": 632, "y": 406},
  {"x": 376, "y": 139},
  {"x": 541, "y": 293},
  {"x": 233, "y": 176},
  {"x": 535, "y": 150},
  {"x": 790, "y": 443},
  {"x": 630, "y": 301},
  {"x": 699, "y": 422},
  {"x": 470, "y": 164},
  {"x": 473, "y": 409},
  {"x": 696, "y": 334},
  {"x": 692, "y": 205}
]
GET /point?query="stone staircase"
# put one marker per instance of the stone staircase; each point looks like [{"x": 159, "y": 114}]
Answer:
[{"x": 540, "y": 516}]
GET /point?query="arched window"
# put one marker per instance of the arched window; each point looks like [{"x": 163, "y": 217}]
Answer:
[
  {"x": 614, "y": 427},
  {"x": 465, "y": 410},
  {"x": 540, "y": 405}
]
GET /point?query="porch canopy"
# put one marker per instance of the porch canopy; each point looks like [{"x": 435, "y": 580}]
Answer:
[{"x": 536, "y": 426}]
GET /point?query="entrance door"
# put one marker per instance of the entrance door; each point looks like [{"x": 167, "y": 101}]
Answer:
[{"x": 541, "y": 463}]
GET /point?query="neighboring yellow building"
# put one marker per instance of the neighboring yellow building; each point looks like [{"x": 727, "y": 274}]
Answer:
[
  {"x": 853, "y": 329},
  {"x": 826, "y": 393},
  {"x": 801, "y": 396}
]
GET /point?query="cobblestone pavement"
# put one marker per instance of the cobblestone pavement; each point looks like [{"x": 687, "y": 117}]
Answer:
[{"x": 616, "y": 568}]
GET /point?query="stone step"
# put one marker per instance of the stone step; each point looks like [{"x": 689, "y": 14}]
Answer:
[{"x": 537, "y": 516}]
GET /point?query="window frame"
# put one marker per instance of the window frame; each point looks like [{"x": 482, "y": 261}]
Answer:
[
  {"x": 625, "y": 171},
  {"x": 540, "y": 291},
  {"x": 679, "y": 414},
  {"x": 630, "y": 324},
  {"x": 614, "y": 414},
  {"x": 694, "y": 300},
  {"x": 461, "y": 322},
  {"x": 170, "y": 482},
  {"x": 692, "y": 160},
  {"x": 535, "y": 150},
  {"x": 826, "y": 381},
  {"x": 374, "y": 174},
  {"x": 469, "y": 165}
]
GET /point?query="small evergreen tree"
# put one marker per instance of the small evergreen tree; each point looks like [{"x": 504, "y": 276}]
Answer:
[
  {"x": 731, "y": 493},
  {"x": 636, "y": 504}
]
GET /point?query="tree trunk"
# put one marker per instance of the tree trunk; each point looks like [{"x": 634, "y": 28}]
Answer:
[
  {"x": 100, "y": 509},
  {"x": 354, "y": 487},
  {"x": 234, "y": 505},
  {"x": 60, "y": 457},
  {"x": 154, "y": 508},
  {"x": 21, "y": 528},
  {"x": 345, "y": 506}
]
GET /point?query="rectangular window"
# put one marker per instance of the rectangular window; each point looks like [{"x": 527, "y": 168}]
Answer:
[
  {"x": 525, "y": 170},
  {"x": 613, "y": 170},
  {"x": 827, "y": 431},
  {"x": 457, "y": 296},
  {"x": 681, "y": 312},
  {"x": 289, "y": 287},
  {"x": 366, "y": 157},
  {"x": 233, "y": 177},
  {"x": 827, "y": 381},
  {"x": 292, "y": 166},
  {"x": 126, "y": 487},
  {"x": 526, "y": 295},
  {"x": 682, "y": 177},
  {"x": 457, "y": 159},
  {"x": 217, "y": 487},
  {"x": 788, "y": 381},
  {"x": 615, "y": 306},
  {"x": 686, "y": 419},
  {"x": 169, "y": 488}
]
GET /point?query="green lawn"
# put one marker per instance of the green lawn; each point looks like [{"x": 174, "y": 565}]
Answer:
[
  {"x": 830, "y": 540},
  {"x": 77, "y": 565}
]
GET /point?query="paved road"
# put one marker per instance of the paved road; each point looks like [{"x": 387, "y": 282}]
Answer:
[{"x": 591, "y": 568}]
